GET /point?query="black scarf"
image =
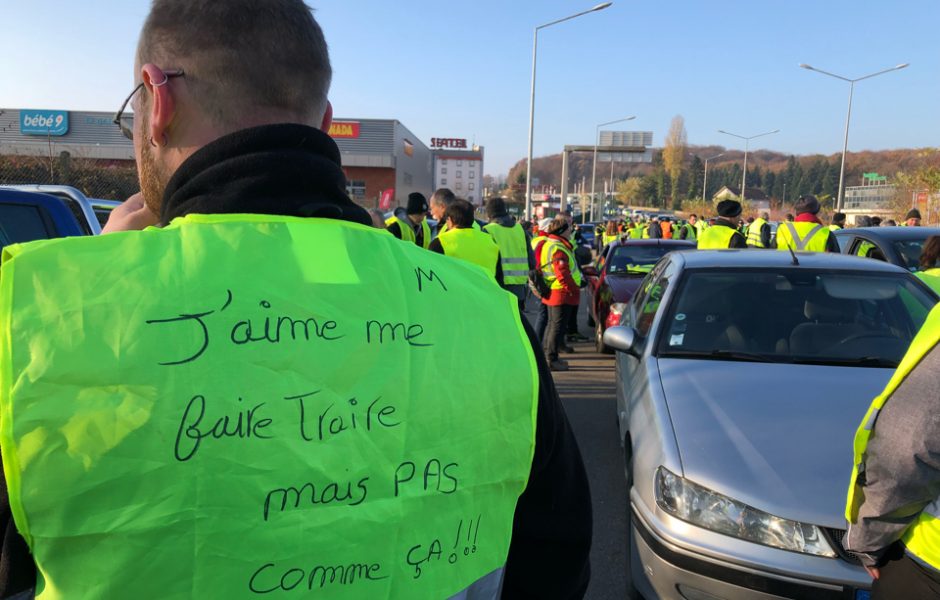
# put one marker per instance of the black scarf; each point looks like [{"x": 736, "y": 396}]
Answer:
[{"x": 287, "y": 169}]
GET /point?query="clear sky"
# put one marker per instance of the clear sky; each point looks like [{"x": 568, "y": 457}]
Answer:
[{"x": 462, "y": 69}]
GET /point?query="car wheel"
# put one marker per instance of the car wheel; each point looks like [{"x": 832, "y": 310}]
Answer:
[{"x": 599, "y": 340}]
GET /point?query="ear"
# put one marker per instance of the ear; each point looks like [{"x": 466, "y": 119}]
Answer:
[
  {"x": 327, "y": 118},
  {"x": 162, "y": 106}
]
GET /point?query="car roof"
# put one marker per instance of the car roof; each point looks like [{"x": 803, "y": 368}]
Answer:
[
  {"x": 891, "y": 234},
  {"x": 703, "y": 259},
  {"x": 656, "y": 242}
]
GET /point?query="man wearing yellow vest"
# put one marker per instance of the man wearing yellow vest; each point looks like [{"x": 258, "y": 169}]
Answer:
[
  {"x": 412, "y": 226},
  {"x": 462, "y": 241},
  {"x": 806, "y": 233},
  {"x": 689, "y": 231},
  {"x": 724, "y": 233},
  {"x": 758, "y": 232},
  {"x": 516, "y": 257},
  {"x": 838, "y": 222},
  {"x": 247, "y": 400},
  {"x": 893, "y": 506},
  {"x": 440, "y": 200}
]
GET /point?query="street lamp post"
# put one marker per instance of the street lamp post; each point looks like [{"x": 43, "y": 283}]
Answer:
[
  {"x": 848, "y": 116},
  {"x": 747, "y": 141},
  {"x": 597, "y": 140},
  {"x": 705, "y": 179},
  {"x": 535, "y": 47}
]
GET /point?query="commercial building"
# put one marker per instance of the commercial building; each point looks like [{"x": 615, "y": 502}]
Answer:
[
  {"x": 378, "y": 155},
  {"x": 875, "y": 197},
  {"x": 459, "y": 167}
]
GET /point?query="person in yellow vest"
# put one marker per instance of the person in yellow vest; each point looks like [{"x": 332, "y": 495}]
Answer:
[
  {"x": 610, "y": 234},
  {"x": 516, "y": 256},
  {"x": 930, "y": 263},
  {"x": 758, "y": 232},
  {"x": 561, "y": 271},
  {"x": 462, "y": 241},
  {"x": 838, "y": 222},
  {"x": 440, "y": 200},
  {"x": 248, "y": 400},
  {"x": 806, "y": 233},
  {"x": 894, "y": 491},
  {"x": 689, "y": 231},
  {"x": 724, "y": 233},
  {"x": 413, "y": 225},
  {"x": 912, "y": 218},
  {"x": 701, "y": 224}
]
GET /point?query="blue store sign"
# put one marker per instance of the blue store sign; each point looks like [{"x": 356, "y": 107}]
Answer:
[{"x": 44, "y": 122}]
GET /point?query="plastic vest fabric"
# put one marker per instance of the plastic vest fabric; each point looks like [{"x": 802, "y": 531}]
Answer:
[
  {"x": 753, "y": 233},
  {"x": 192, "y": 421},
  {"x": 691, "y": 233},
  {"x": 646, "y": 232},
  {"x": 802, "y": 237},
  {"x": 472, "y": 246},
  {"x": 537, "y": 240},
  {"x": 607, "y": 238},
  {"x": 548, "y": 250},
  {"x": 931, "y": 277},
  {"x": 834, "y": 228},
  {"x": 636, "y": 233},
  {"x": 922, "y": 537},
  {"x": 716, "y": 238},
  {"x": 865, "y": 248},
  {"x": 513, "y": 252},
  {"x": 408, "y": 233}
]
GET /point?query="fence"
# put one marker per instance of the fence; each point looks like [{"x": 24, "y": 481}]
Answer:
[{"x": 110, "y": 180}]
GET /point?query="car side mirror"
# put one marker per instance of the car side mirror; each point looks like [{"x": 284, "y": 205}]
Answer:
[
  {"x": 589, "y": 270},
  {"x": 622, "y": 339}
]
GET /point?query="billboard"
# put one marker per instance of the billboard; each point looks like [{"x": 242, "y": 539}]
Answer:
[
  {"x": 344, "y": 129},
  {"x": 626, "y": 138},
  {"x": 44, "y": 122}
]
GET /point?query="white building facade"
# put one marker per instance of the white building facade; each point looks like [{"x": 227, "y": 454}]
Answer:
[{"x": 459, "y": 168}]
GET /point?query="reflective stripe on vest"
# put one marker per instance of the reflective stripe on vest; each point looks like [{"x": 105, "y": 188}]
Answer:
[
  {"x": 408, "y": 232},
  {"x": 513, "y": 252},
  {"x": 472, "y": 246},
  {"x": 716, "y": 238},
  {"x": 922, "y": 537},
  {"x": 195, "y": 409},
  {"x": 802, "y": 237},
  {"x": 548, "y": 270},
  {"x": 753, "y": 233}
]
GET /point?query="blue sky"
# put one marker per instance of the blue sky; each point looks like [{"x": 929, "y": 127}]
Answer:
[{"x": 462, "y": 69}]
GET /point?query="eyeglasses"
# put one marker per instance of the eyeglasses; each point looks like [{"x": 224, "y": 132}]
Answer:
[{"x": 125, "y": 122}]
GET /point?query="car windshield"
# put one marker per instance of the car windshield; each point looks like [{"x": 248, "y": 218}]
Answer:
[
  {"x": 795, "y": 316},
  {"x": 635, "y": 260},
  {"x": 910, "y": 251}
]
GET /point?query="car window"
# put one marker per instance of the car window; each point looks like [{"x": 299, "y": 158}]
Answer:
[
  {"x": 867, "y": 249},
  {"x": 653, "y": 288},
  {"x": 910, "y": 251},
  {"x": 795, "y": 315},
  {"x": 25, "y": 223},
  {"x": 635, "y": 260},
  {"x": 843, "y": 240}
]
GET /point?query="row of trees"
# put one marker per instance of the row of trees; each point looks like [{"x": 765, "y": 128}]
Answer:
[{"x": 677, "y": 177}]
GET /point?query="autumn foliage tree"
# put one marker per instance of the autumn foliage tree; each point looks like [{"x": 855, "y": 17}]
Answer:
[{"x": 674, "y": 157}]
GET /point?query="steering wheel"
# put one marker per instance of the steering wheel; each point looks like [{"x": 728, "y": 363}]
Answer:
[{"x": 862, "y": 336}]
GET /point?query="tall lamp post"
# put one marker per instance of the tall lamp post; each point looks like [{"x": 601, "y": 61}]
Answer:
[
  {"x": 747, "y": 141},
  {"x": 705, "y": 179},
  {"x": 535, "y": 47},
  {"x": 597, "y": 137},
  {"x": 848, "y": 116}
]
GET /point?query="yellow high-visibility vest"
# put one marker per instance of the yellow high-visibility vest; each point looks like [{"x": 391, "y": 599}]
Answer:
[
  {"x": 471, "y": 245},
  {"x": 716, "y": 238},
  {"x": 513, "y": 252},
  {"x": 922, "y": 537},
  {"x": 753, "y": 233},
  {"x": 408, "y": 233},
  {"x": 802, "y": 237},
  {"x": 548, "y": 250},
  {"x": 242, "y": 404}
]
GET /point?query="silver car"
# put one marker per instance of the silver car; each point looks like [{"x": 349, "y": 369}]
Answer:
[{"x": 742, "y": 376}]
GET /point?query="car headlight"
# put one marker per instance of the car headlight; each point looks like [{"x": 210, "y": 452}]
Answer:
[{"x": 710, "y": 510}]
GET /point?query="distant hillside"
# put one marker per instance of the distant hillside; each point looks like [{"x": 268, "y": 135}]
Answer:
[{"x": 547, "y": 169}]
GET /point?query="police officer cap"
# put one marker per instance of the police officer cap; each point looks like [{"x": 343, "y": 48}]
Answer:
[
  {"x": 728, "y": 208},
  {"x": 912, "y": 214},
  {"x": 417, "y": 203},
  {"x": 806, "y": 204}
]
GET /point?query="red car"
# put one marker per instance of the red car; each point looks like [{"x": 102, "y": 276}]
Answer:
[{"x": 618, "y": 275}]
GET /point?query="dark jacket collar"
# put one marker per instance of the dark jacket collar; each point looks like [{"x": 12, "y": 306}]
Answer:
[{"x": 285, "y": 169}]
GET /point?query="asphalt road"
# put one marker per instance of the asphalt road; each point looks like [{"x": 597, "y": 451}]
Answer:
[{"x": 587, "y": 392}]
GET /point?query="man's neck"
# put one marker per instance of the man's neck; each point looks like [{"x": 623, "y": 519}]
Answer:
[{"x": 416, "y": 219}]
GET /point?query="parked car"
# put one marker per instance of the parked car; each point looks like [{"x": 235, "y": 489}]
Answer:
[
  {"x": 741, "y": 379},
  {"x": 73, "y": 198},
  {"x": 617, "y": 276},
  {"x": 102, "y": 209},
  {"x": 900, "y": 246},
  {"x": 587, "y": 234},
  {"x": 28, "y": 216}
]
